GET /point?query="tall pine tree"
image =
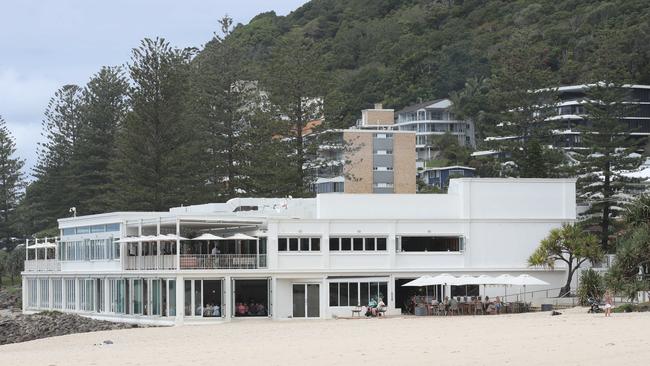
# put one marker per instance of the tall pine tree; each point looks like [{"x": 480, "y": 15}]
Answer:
[
  {"x": 51, "y": 194},
  {"x": 157, "y": 148},
  {"x": 293, "y": 80},
  {"x": 11, "y": 183},
  {"x": 223, "y": 100},
  {"x": 102, "y": 114}
]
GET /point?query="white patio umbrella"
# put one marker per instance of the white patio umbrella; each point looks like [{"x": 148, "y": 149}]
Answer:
[
  {"x": 418, "y": 282},
  {"x": 240, "y": 236},
  {"x": 174, "y": 237},
  {"x": 527, "y": 280},
  {"x": 445, "y": 279},
  {"x": 208, "y": 236},
  {"x": 505, "y": 280}
]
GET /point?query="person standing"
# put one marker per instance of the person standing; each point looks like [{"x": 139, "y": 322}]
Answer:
[{"x": 609, "y": 302}]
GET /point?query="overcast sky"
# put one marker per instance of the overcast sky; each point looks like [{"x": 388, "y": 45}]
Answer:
[{"x": 45, "y": 44}]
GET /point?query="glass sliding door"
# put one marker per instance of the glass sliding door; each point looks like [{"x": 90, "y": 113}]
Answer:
[
  {"x": 156, "y": 297},
  {"x": 188, "y": 297},
  {"x": 306, "y": 300},
  {"x": 172, "y": 297},
  {"x": 137, "y": 296},
  {"x": 299, "y": 300}
]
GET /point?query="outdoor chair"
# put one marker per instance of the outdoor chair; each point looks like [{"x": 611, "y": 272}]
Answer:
[
  {"x": 454, "y": 308},
  {"x": 356, "y": 310},
  {"x": 441, "y": 309}
]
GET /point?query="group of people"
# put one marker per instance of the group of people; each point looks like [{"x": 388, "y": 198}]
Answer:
[
  {"x": 451, "y": 306},
  {"x": 375, "y": 307},
  {"x": 210, "y": 310},
  {"x": 251, "y": 309}
]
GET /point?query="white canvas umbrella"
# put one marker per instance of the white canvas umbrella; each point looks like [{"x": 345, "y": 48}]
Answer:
[
  {"x": 208, "y": 236},
  {"x": 419, "y": 282},
  {"x": 445, "y": 279},
  {"x": 240, "y": 236},
  {"x": 527, "y": 280},
  {"x": 505, "y": 280}
]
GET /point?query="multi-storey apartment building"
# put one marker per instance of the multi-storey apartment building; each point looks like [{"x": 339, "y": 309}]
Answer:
[
  {"x": 570, "y": 113},
  {"x": 292, "y": 258},
  {"x": 368, "y": 161},
  {"x": 433, "y": 118}
]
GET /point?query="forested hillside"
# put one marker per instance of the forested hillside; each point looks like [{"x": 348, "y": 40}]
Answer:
[
  {"x": 177, "y": 125},
  {"x": 398, "y": 52}
]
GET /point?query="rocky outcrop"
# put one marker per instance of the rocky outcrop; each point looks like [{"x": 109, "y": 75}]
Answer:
[{"x": 22, "y": 328}]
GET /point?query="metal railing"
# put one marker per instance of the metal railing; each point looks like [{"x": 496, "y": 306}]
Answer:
[
  {"x": 33, "y": 265},
  {"x": 222, "y": 261},
  {"x": 147, "y": 262}
]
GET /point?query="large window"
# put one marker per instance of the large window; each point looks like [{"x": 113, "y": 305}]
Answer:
[
  {"x": 298, "y": 244},
  {"x": 357, "y": 244},
  {"x": 357, "y": 293},
  {"x": 91, "y": 229},
  {"x": 70, "y": 291},
  {"x": 57, "y": 293},
  {"x": 89, "y": 249},
  {"x": 87, "y": 294},
  {"x": 117, "y": 296},
  {"x": 32, "y": 294},
  {"x": 431, "y": 244},
  {"x": 44, "y": 292}
]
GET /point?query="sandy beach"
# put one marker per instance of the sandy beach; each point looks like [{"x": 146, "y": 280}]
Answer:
[{"x": 573, "y": 338}]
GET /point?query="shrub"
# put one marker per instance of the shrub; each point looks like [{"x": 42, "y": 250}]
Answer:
[{"x": 591, "y": 285}]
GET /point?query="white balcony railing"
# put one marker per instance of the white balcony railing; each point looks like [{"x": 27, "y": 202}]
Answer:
[
  {"x": 42, "y": 265},
  {"x": 223, "y": 261},
  {"x": 151, "y": 262},
  {"x": 196, "y": 261}
]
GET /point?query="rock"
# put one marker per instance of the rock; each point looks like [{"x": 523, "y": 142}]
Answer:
[{"x": 22, "y": 328}]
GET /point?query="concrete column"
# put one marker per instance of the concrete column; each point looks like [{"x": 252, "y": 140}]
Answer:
[
  {"x": 50, "y": 293},
  {"x": 25, "y": 292},
  {"x": 274, "y": 297},
  {"x": 324, "y": 298},
  {"x": 107, "y": 294},
  {"x": 325, "y": 246},
  {"x": 77, "y": 302},
  {"x": 180, "y": 300},
  {"x": 178, "y": 245},
  {"x": 390, "y": 302},
  {"x": 228, "y": 300},
  {"x": 64, "y": 295}
]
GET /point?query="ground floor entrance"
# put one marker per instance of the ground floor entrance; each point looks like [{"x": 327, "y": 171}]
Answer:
[
  {"x": 251, "y": 297},
  {"x": 306, "y": 300}
]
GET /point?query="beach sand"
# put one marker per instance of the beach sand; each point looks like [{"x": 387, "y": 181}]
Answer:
[{"x": 573, "y": 338}]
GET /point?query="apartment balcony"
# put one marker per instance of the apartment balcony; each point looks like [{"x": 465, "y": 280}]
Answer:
[
  {"x": 150, "y": 262},
  {"x": 42, "y": 265}
]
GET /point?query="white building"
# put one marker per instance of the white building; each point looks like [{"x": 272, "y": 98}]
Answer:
[{"x": 284, "y": 258}]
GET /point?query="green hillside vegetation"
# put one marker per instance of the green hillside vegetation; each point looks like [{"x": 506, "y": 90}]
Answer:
[{"x": 399, "y": 52}]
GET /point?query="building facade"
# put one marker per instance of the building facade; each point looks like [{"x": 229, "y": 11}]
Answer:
[
  {"x": 292, "y": 258},
  {"x": 368, "y": 161},
  {"x": 433, "y": 118}
]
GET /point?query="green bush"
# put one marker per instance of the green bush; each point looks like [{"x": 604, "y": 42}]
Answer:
[
  {"x": 591, "y": 285},
  {"x": 625, "y": 308}
]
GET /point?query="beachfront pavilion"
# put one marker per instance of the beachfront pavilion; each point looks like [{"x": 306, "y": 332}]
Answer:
[{"x": 292, "y": 258}]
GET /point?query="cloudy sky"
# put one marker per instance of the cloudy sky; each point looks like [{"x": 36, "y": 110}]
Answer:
[{"x": 45, "y": 44}]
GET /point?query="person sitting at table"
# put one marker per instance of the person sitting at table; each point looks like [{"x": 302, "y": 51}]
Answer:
[
  {"x": 453, "y": 306},
  {"x": 216, "y": 310},
  {"x": 207, "y": 310},
  {"x": 241, "y": 309},
  {"x": 498, "y": 305},
  {"x": 381, "y": 307},
  {"x": 372, "y": 307}
]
